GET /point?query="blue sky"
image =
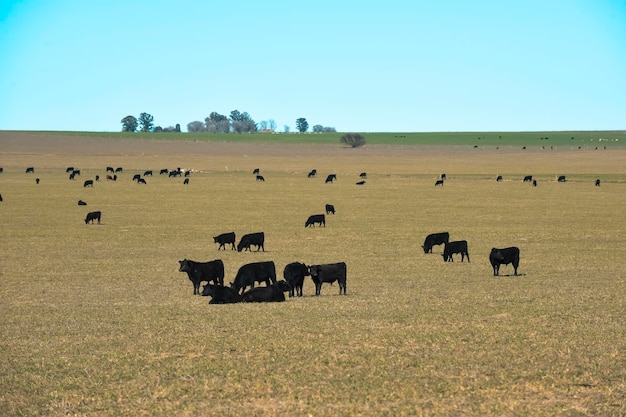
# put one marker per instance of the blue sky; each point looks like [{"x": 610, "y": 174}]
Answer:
[{"x": 397, "y": 66}]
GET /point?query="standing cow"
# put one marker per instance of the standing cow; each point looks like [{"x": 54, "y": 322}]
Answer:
[
  {"x": 257, "y": 239},
  {"x": 203, "y": 271},
  {"x": 435, "y": 239},
  {"x": 224, "y": 239},
  {"x": 329, "y": 273},
  {"x": 294, "y": 274},
  {"x": 250, "y": 273},
  {"x": 94, "y": 215},
  {"x": 330, "y": 209},
  {"x": 504, "y": 256},
  {"x": 459, "y": 246}
]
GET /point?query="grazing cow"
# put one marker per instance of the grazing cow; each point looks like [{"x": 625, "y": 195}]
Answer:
[
  {"x": 72, "y": 175},
  {"x": 220, "y": 294},
  {"x": 316, "y": 218},
  {"x": 174, "y": 173},
  {"x": 136, "y": 177},
  {"x": 1, "y": 170},
  {"x": 534, "y": 183},
  {"x": 459, "y": 246},
  {"x": 561, "y": 178},
  {"x": 329, "y": 273},
  {"x": 256, "y": 171},
  {"x": 187, "y": 173},
  {"x": 97, "y": 177},
  {"x": 118, "y": 169},
  {"x": 141, "y": 181},
  {"x": 528, "y": 178},
  {"x": 0, "y": 197},
  {"x": 81, "y": 203},
  {"x": 76, "y": 172},
  {"x": 88, "y": 183},
  {"x": 203, "y": 271},
  {"x": 250, "y": 273},
  {"x": 30, "y": 170},
  {"x": 363, "y": 175},
  {"x": 435, "y": 239},
  {"x": 260, "y": 178},
  {"x": 91, "y": 216},
  {"x": 439, "y": 182},
  {"x": 598, "y": 182},
  {"x": 186, "y": 181},
  {"x": 504, "y": 256},
  {"x": 499, "y": 178},
  {"x": 312, "y": 173},
  {"x": 271, "y": 294},
  {"x": 37, "y": 180},
  {"x": 163, "y": 171},
  {"x": 294, "y": 274},
  {"x": 360, "y": 183},
  {"x": 257, "y": 239},
  {"x": 330, "y": 178},
  {"x": 69, "y": 169},
  {"x": 225, "y": 238},
  {"x": 146, "y": 173},
  {"x": 110, "y": 169},
  {"x": 330, "y": 209}
]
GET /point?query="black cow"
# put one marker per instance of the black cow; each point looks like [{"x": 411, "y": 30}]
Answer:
[
  {"x": 294, "y": 274},
  {"x": 0, "y": 197},
  {"x": 149, "y": 172},
  {"x": 329, "y": 273},
  {"x": 360, "y": 183},
  {"x": 174, "y": 173},
  {"x": 37, "y": 180},
  {"x": 597, "y": 182},
  {"x": 316, "y": 218},
  {"x": 363, "y": 175},
  {"x": 136, "y": 177},
  {"x": 250, "y": 273},
  {"x": 69, "y": 169},
  {"x": 30, "y": 170},
  {"x": 257, "y": 239},
  {"x": 561, "y": 178},
  {"x": 118, "y": 169},
  {"x": 225, "y": 238},
  {"x": 72, "y": 175},
  {"x": 220, "y": 294},
  {"x": 187, "y": 174},
  {"x": 110, "y": 169},
  {"x": 459, "y": 246},
  {"x": 330, "y": 178},
  {"x": 260, "y": 178},
  {"x": 312, "y": 173},
  {"x": 256, "y": 171},
  {"x": 81, "y": 203},
  {"x": 534, "y": 183},
  {"x": 330, "y": 209},
  {"x": 91, "y": 216},
  {"x": 499, "y": 178},
  {"x": 163, "y": 171},
  {"x": 504, "y": 256},
  {"x": 439, "y": 182},
  {"x": 76, "y": 172},
  {"x": 88, "y": 183},
  {"x": 203, "y": 271},
  {"x": 443, "y": 176},
  {"x": 528, "y": 178},
  {"x": 186, "y": 181},
  {"x": 141, "y": 181},
  {"x": 270, "y": 294},
  {"x": 435, "y": 239},
  {"x": 97, "y": 177}
]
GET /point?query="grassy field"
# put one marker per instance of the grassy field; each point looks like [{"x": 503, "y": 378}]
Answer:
[{"x": 97, "y": 320}]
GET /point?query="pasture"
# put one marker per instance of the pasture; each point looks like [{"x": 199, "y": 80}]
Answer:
[{"x": 97, "y": 320}]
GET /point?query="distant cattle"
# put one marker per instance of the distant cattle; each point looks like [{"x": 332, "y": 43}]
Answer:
[
  {"x": 250, "y": 273},
  {"x": 331, "y": 178},
  {"x": 224, "y": 239},
  {"x": 0, "y": 197},
  {"x": 330, "y": 209},
  {"x": 118, "y": 169},
  {"x": 187, "y": 173},
  {"x": 112, "y": 178},
  {"x": 1, "y": 170},
  {"x": 97, "y": 177},
  {"x": 91, "y": 216},
  {"x": 443, "y": 176},
  {"x": 294, "y": 274},
  {"x": 360, "y": 183},
  {"x": 72, "y": 175},
  {"x": 534, "y": 183},
  {"x": 312, "y": 173},
  {"x": 146, "y": 173},
  {"x": 81, "y": 203},
  {"x": 221, "y": 295},
  {"x": 256, "y": 171},
  {"x": 136, "y": 177},
  {"x": 597, "y": 182},
  {"x": 110, "y": 169},
  {"x": 257, "y": 239},
  {"x": 528, "y": 178},
  {"x": 76, "y": 172},
  {"x": 435, "y": 239},
  {"x": 186, "y": 181},
  {"x": 329, "y": 273},
  {"x": 499, "y": 178},
  {"x": 69, "y": 169},
  {"x": 37, "y": 180},
  {"x": 30, "y": 170},
  {"x": 504, "y": 256},
  {"x": 141, "y": 181},
  {"x": 202, "y": 271},
  {"x": 260, "y": 178},
  {"x": 163, "y": 171},
  {"x": 363, "y": 175},
  {"x": 561, "y": 178},
  {"x": 459, "y": 246},
  {"x": 88, "y": 183},
  {"x": 174, "y": 173},
  {"x": 316, "y": 218},
  {"x": 439, "y": 182},
  {"x": 270, "y": 294}
]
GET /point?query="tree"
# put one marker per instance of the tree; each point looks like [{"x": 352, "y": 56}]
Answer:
[
  {"x": 302, "y": 125},
  {"x": 318, "y": 129},
  {"x": 286, "y": 129},
  {"x": 355, "y": 140},
  {"x": 242, "y": 122},
  {"x": 217, "y": 123},
  {"x": 129, "y": 124},
  {"x": 271, "y": 124},
  {"x": 145, "y": 122},
  {"x": 195, "y": 126}
]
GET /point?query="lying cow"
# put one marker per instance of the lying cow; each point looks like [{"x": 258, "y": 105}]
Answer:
[
  {"x": 459, "y": 246},
  {"x": 329, "y": 273},
  {"x": 220, "y": 294},
  {"x": 294, "y": 274},
  {"x": 316, "y": 218},
  {"x": 224, "y": 239},
  {"x": 250, "y": 273},
  {"x": 269, "y": 294},
  {"x": 91, "y": 216},
  {"x": 435, "y": 239},
  {"x": 504, "y": 256},
  {"x": 203, "y": 271},
  {"x": 257, "y": 239}
]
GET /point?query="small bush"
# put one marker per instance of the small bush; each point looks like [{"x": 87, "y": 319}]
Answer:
[{"x": 353, "y": 139}]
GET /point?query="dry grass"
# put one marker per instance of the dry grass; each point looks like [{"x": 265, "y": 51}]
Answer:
[{"x": 97, "y": 320}]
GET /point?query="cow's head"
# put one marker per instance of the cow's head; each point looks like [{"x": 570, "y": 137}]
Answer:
[
  {"x": 184, "y": 266},
  {"x": 283, "y": 286},
  {"x": 425, "y": 249}
]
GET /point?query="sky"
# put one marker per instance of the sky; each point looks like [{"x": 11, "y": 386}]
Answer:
[{"x": 366, "y": 66}]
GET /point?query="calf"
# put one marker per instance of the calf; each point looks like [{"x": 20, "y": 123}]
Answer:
[
  {"x": 250, "y": 273},
  {"x": 269, "y": 294},
  {"x": 329, "y": 273},
  {"x": 88, "y": 183},
  {"x": 504, "y": 256},
  {"x": 294, "y": 274},
  {"x": 330, "y": 209},
  {"x": 225, "y": 238},
  {"x": 330, "y": 178},
  {"x": 202, "y": 271},
  {"x": 257, "y": 239},
  {"x": 459, "y": 246},
  {"x": 435, "y": 239},
  {"x": 316, "y": 218},
  {"x": 220, "y": 294},
  {"x": 91, "y": 216}
]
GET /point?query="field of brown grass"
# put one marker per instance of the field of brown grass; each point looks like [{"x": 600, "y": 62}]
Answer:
[{"x": 97, "y": 320}]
